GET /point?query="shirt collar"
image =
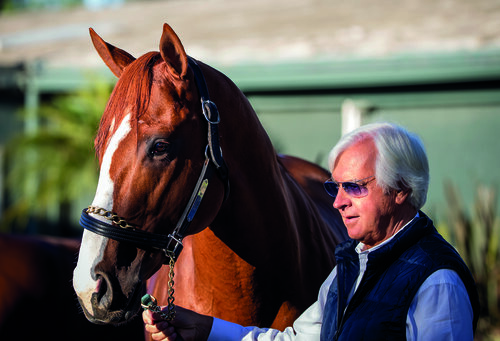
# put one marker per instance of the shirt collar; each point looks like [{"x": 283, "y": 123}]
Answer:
[{"x": 360, "y": 246}]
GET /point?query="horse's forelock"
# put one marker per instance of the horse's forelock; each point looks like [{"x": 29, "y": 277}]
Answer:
[{"x": 130, "y": 95}]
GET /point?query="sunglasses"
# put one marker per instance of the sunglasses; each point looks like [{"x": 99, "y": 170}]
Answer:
[{"x": 355, "y": 189}]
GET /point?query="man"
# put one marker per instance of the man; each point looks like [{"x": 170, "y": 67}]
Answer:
[{"x": 395, "y": 279}]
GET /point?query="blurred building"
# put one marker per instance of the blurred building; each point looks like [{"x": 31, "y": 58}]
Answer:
[{"x": 307, "y": 66}]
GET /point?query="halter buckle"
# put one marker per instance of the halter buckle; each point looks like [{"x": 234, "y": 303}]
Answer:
[
  {"x": 174, "y": 246},
  {"x": 209, "y": 110}
]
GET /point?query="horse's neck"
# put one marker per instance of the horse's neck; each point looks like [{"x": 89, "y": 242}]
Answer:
[
  {"x": 267, "y": 210},
  {"x": 271, "y": 224}
]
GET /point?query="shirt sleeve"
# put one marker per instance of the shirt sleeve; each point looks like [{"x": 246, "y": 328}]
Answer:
[
  {"x": 307, "y": 326},
  {"x": 440, "y": 310}
]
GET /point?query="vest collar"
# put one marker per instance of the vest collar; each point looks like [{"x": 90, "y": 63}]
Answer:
[{"x": 401, "y": 241}]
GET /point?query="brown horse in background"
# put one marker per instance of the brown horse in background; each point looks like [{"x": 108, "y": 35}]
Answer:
[
  {"x": 272, "y": 228},
  {"x": 37, "y": 299}
]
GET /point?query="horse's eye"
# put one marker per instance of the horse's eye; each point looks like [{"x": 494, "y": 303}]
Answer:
[{"x": 159, "y": 148}]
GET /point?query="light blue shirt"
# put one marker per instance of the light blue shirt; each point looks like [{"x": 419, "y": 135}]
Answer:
[{"x": 440, "y": 310}]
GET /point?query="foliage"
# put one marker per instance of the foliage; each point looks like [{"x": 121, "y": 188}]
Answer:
[
  {"x": 477, "y": 240},
  {"x": 56, "y": 164},
  {"x": 16, "y": 5}
]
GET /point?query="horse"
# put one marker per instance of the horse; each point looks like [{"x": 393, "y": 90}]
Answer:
[
  {"x": 37, "y": 299},
  {"x": 185, "y": 165}
]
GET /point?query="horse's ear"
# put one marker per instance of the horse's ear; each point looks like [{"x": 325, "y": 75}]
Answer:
[
  {"x": 116, "y": 59},
  {"x": 173, "y": 53}
]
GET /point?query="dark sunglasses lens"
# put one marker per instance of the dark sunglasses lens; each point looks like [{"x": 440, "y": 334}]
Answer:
[
  {"x": 331, "y": 188},
  {"x": 354, "y": 190}
]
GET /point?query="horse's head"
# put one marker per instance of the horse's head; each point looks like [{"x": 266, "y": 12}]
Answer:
[{"x": 152, "y": 147}]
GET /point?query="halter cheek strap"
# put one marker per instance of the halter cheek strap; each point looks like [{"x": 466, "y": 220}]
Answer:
[
  {"x": 211, "y": 114},
  {"x": 119, "y": 230}
]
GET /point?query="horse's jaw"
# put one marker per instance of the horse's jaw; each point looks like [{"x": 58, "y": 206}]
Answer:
[{"x": 104, "y": 298}]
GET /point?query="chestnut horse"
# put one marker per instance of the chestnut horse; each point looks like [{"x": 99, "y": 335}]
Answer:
[{"x": 271, "y": 231}]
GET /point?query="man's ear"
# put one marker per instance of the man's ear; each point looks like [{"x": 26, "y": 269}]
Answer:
[{"x": 402, "y": 195}]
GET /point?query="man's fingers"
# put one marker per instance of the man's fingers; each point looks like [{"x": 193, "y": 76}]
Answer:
[
  {"x": 150, "y": 317},
  {"x": 147, "y": 317},
  {"x": 161, "y": 330},
  {"x": 156, "y": 327},
  {"x": 168, "y": 334}
]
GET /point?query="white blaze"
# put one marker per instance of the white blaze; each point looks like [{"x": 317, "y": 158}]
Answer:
[{"x": 92, "y": 247}]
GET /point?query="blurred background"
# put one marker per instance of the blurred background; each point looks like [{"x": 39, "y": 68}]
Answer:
[{"x": 312, "y": 69}]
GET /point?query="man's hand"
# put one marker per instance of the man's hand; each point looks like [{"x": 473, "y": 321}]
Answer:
[{"x": 187, "y": 324}]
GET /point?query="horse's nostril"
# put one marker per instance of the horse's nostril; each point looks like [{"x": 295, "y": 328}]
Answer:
[
  {"x": 101, "y": 296},
  {"x": 98, "y": 284}
]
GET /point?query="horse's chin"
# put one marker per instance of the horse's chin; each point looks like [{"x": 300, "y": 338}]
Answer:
[{"x": 116, "y": 318}]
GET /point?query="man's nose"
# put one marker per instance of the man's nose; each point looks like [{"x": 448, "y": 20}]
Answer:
[{"x": 342, "y": 199}]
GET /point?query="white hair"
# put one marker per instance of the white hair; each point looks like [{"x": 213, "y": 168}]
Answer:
[{"x": 401, "y": 162}]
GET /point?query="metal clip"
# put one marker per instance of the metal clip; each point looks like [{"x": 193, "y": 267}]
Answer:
[
  {"x": 174, "y": 246},
  {"x": 210, "y": 108}
]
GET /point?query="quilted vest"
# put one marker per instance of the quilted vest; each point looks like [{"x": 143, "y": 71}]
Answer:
[{"x": 395, "y": 272}]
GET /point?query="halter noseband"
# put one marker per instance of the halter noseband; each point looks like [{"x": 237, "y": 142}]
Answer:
[{"x": 119, "y": 230}]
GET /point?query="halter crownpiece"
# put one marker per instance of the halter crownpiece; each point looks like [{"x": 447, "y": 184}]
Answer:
[{"x": 118, "y": 228}]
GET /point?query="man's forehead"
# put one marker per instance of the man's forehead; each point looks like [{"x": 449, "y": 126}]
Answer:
[{"x": 355, "y": 162}]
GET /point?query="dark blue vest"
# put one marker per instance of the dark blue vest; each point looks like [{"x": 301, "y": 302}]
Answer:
[{"x": 395, "y": 272}]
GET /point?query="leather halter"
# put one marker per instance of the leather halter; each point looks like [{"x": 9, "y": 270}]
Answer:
[{"x": 172, "y": 244}]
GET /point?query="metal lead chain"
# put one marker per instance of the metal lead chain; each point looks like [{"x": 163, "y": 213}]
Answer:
[
  {"x": 150, "y": 302},
  {"x": 117, "y": 220},
  {"x": 170, "y": 289}
]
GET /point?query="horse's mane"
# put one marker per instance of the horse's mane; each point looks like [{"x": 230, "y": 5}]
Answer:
[{"x": 135, "y": 82}]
